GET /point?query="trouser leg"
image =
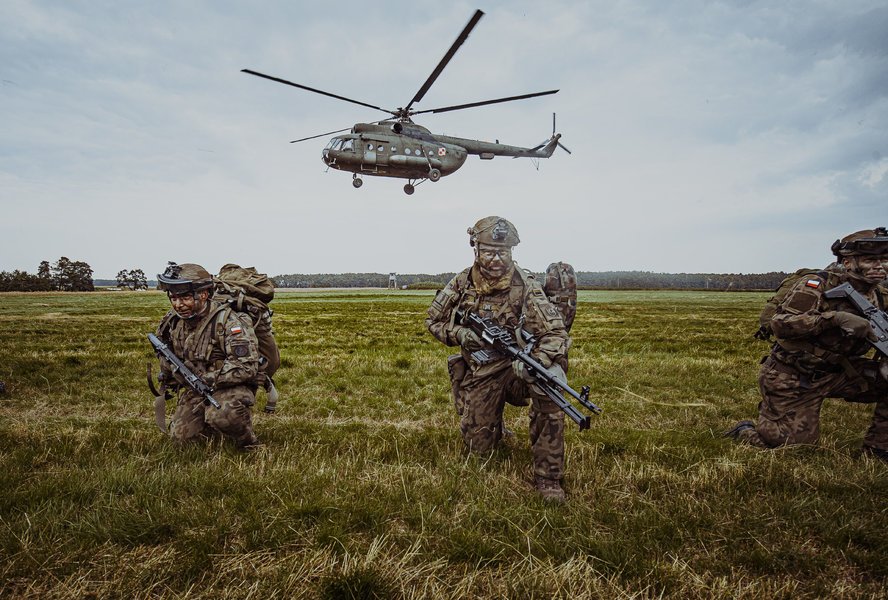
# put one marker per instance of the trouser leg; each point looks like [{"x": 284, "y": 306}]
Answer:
[
  {"x": 547, "y": 438},
  {"x": 234, "y": 419},
  {"x": 480, "y": 423},
  {"x": 789, "y": 412},
  {"x": 188, "y": 419}
]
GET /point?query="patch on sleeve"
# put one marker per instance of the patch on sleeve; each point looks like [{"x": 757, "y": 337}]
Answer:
[
  {"x": 237, "y": 329},
  {"x": 240, "y": 350},
  {"x": 801, "y": 301},
  {"x": 813, "y": 283}
]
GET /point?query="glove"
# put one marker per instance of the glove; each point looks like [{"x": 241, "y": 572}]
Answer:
[
  {"x": 558, "y": 373},
  {"x": 209, "y": 378},
  {"x": 521, "y": 372},
  {"x": 468, "y": 339},
  {"x": 852, "y": 325}
]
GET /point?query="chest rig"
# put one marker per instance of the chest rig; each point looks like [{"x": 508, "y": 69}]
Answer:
[{"x": 204, "y": 345}]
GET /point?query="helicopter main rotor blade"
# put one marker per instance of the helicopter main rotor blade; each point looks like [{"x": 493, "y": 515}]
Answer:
[
  {"x": 320, "y": 135},
  {"x": 321, "y": 92},
  {"x": 462, "y": 37},
  {"x": 485, "y": 102}
]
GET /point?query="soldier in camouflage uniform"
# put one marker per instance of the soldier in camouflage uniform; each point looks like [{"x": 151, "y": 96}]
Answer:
[
  {"x": 219, "y": 346},
  {"x": 820, "y": 352},
  {"x": 495, "y": 287}
]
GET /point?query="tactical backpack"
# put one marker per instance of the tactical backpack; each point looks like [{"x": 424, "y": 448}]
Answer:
[
  {"x": 764, "y": 332},
  {"x": 561, "y": 289},
  {"x": 247, "y": 291}
]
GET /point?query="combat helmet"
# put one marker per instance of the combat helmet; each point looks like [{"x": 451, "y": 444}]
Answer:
[
  {"x": 493, "y": 231},
  {"x": 185, "y": 278},
  {"x": 872, "y": 242}
]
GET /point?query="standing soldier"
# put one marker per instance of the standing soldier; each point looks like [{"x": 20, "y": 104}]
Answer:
[
  {"x": 219, "y": 346},
  {"x": 495, "y": 287},
  {"x": 819, "y": 352}
]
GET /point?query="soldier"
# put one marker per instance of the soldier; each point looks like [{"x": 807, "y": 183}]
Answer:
[
  {"x": 495, "y": 287},
  {"x": 819, "y": 352},
  {"x": 219, "y": 346}
]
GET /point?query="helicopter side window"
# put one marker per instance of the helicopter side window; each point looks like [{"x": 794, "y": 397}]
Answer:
[
  {"x": 369, "y": 146},
  {"x": 380, "y": 148},
  {"x": 418, "y": 152},
  {"x": 406, "y": 150},
  {"x": 394, "y": 149}
]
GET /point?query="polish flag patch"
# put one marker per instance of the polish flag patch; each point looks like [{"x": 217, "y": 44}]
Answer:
[
  {"x": 237, "y": 329},
  {"x": 813, "y": 283}
]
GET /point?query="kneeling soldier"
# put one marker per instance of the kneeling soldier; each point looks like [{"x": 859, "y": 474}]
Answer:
[
  {"x": 219, "y": 346},
  {"x": 820, "y": 352},
  {"x": 495, "y": 287}
]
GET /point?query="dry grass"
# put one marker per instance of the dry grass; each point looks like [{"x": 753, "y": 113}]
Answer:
[{"x": 363, "y": 489}]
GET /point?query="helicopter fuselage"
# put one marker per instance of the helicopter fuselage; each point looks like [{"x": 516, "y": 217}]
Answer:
[
  {"x": 392, "y": 149},
  {"x": 410, "y": 151}
]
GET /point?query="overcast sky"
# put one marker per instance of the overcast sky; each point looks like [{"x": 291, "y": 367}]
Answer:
[{"x": 729, "y": 136}]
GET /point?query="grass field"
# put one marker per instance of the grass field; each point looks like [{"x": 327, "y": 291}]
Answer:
[{"x": 363, "y": 488}]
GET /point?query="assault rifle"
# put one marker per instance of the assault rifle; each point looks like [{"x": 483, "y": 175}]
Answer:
[
  {"x": 191, "y": 380},
  {"x": 878, "y": 320},
  {"x": 503, "y": 345}
]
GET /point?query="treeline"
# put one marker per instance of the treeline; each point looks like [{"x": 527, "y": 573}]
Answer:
[
  {"x": 610, "y": 280},
  {"x": 63, "y": 275}
]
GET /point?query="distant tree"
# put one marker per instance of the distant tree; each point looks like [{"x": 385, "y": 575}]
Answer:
[
  {"x": 43, "y": 271},
  {"x": 72, "y": 276},
  {"x": 134, "y": 280}
]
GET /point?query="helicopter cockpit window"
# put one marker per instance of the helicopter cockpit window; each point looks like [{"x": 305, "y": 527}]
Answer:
[
  {"x": 334, "y": 144},
  {"x": 348, "y": 145}
]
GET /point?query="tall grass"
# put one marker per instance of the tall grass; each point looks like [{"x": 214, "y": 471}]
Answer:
[{"x": 363, "y": 489}]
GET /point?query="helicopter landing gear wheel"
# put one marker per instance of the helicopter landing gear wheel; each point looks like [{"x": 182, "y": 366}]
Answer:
[
  {"x": 357, "y": 181},
  {"x": 434, "y": 175},
  {"x": 409, "y": 189}
]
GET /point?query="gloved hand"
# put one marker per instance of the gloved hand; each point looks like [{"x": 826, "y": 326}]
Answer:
[
  {"x": 468, "y": 339},
  {"x": 558, "y": 372},
  {"x": 522, "y": 373},
  {"x": 209, "y": 378},
  {"x": 852, "y": 325}
]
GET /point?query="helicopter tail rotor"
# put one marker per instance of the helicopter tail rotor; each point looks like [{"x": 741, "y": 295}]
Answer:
[{"x": 546, "y": 148}]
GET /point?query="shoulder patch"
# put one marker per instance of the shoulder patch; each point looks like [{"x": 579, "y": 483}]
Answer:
[
  {"x": 237, "y": 329},
  {"x": 801, "y": 301},
  {"x": 813, "y": 283}
]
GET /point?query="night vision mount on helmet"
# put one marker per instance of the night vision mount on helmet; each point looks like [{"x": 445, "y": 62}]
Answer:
[
  {"x": 493, "y": 231},
  {"x": 872, "y": 242},
  {"x": 397, "y": 147},
  {"x": 184, "y": 279}
]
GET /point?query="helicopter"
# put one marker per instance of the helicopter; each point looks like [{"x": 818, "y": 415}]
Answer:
[{"x": 398, "y": 147}]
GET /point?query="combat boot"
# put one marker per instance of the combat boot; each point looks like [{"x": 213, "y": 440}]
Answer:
[
  {"x": 249, "y": 443},
  {"x": 738, "y": 429},
  {"x": 549, "y": 489},
  {"x": 875, "y": 452}
]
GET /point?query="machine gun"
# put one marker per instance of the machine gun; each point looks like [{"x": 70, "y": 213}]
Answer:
[
  {"x": 878, "y": 320},
  {"x": 191, "y": 380},
  {"x": 503, "y": 345}
]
